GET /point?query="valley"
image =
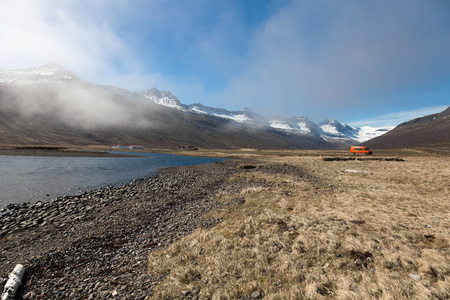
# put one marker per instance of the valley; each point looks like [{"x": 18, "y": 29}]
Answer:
[{"x": 282, "y": 224}]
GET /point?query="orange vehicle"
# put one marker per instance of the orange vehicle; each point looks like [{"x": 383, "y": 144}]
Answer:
[{"x": 360, "y": 150}]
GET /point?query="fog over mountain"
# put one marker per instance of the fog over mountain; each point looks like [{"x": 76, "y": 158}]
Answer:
[{"x": 56, "y": 98}]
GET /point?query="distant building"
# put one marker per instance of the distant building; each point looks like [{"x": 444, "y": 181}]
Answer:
[
  {"x": 187, "y": 147},
  {"x": 128, "y": 147}
]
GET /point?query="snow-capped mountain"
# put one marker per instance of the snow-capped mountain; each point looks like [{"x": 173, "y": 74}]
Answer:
[
  {"x": 337, "y": 130},
  {"x": 329, "y": 130},
  {"x": 306, "y": 126},
  {"x": 297, "y": 125},
  {"x": 361, "y": 134},
  {"x": 334, "y": 127}
]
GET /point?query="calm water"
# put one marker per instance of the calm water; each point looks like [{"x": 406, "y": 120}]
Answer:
[{"x": 32, "y": 179}]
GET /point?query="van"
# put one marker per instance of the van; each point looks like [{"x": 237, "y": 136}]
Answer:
[{"x": 360, "y": 150}]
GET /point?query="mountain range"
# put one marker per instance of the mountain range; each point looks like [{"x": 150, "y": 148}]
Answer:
[
  {"x": 49, "y": 104},
  {"x": 329, "y": 129}
]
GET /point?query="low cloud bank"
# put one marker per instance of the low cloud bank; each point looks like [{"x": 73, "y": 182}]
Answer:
[{"x": 77, "y": 106}]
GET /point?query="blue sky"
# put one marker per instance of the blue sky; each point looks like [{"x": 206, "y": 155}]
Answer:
[{"x": 360, "y": 62}]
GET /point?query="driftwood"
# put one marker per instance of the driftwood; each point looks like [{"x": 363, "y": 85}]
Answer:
[
  {"x": 13, "y": 283},
  {"x": 357, "y": 171}
]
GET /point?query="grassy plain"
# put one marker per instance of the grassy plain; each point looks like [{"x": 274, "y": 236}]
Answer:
[{"x": 379, "y": 234}]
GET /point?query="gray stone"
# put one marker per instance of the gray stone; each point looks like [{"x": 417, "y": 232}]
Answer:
[{"x": 105, "y": 254}]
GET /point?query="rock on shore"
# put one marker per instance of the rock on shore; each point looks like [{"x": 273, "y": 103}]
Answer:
[{"x": 95, "y": 245}]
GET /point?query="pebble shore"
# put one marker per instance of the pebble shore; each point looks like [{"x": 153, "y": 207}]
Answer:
[{"x": 95, "y": 245}]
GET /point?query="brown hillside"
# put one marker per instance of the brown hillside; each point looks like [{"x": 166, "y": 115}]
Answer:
[
  {"x": 45, "y": 116},
  {"x": 431, "y": 131}
]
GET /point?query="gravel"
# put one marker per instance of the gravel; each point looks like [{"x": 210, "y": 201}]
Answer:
[{"x": 95, "y": 245}]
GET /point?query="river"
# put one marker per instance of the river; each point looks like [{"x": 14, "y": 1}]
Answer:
[{"x": 32, "y": 179}]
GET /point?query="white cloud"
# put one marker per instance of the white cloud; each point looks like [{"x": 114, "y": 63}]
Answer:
[
  {"x": 308, "y": 57},
  {"x": 78, "y": 35},
  {"x": 394, "y": 119},
  {"x": 120, "y": 42},
  {"x": 35, "y": 32},
  {"x": 320, "y": 57}
]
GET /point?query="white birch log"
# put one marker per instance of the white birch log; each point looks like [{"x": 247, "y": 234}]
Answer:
[{"x": 13, "y": 283}]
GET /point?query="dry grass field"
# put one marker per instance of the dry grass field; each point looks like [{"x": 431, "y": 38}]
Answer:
[{"x": 359, "y": 229}]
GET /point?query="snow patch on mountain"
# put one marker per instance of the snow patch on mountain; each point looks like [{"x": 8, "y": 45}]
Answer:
[
  {"x": 303, "y": 127},
  {"x": 164, "y": 98},
  {"x": 297, "y": 125},
  {"x": 195, "y": 108},
  {"x": 238, "y": 116},
  {"x": 306, "y": 126},
  {"x": 329, "y": 129},
  {"x": 366, "y": 133},
  {"x": 280, "y": 125}
]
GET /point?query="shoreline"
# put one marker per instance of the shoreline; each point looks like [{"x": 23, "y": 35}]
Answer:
[
  {"x": 74, "y": 191},
  {"x": 104, "y": 236}
]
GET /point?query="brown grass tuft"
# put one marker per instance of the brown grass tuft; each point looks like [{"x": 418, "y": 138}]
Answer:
[{"x": 330, "y": 234}]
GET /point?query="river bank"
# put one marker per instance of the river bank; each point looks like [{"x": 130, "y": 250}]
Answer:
[{"x": 95, "y": 245}]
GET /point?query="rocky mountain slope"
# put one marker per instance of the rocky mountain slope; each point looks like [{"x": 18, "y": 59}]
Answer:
[
  {"x": 52, "y": 105},
  {"x": 428, "y": 132}
]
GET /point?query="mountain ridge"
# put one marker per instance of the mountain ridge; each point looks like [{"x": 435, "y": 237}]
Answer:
[
  {"x": 431, "y": 131},
  {"x": 63, "y": 85}
]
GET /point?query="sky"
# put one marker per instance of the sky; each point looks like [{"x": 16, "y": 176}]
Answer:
[{"x": 375, "y": 62}]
